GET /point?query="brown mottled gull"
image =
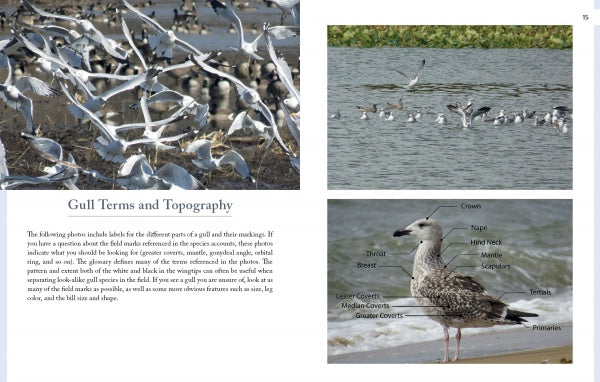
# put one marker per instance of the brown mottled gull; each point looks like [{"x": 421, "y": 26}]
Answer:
[{"x": 445, "y": 296}]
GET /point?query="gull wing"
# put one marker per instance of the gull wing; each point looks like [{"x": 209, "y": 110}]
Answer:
[
  {"x": 107, "y": 133},
  {"x": 49, "y": 149},
  {"x": 39, "y": 87},
  {"x": 405, "y": 76},
  {"x": 127, "y": 35},
  {"x": 283, "y": 70},
  {"x": 8, "y": 80},
  {"x": 280, "y": 32},
  {"x": 166, "y": 96},
  {"x": 135, "y": 165},
  {"x": 249, "y": 95},
  {"x": 48, "y": 14},
  {"x": 239, "y": 122},
  {"x": 238, "y": 162},
  {"x": 201, "y": 147},
  {"x": 3, "y": 166},
  {"x": 26, "y": 108},
  {"x": 131, "y": 84},
  {"x": 177, "y": 176},
  {"x": 156, "y": 26},
  {"x": 480, "y": 111},
  {"x": 46, "y": 147},
  {"x": 227, "y": 14},
  {"x": 292, "y": 123},
  {"x": 421, "y": 66}
]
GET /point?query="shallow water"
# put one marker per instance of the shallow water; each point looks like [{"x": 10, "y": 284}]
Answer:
[
  {"x": 536, "y": 242},
  {"x": 377, "y": 154}
]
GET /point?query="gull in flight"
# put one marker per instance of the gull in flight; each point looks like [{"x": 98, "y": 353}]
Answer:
[
  {"x": 109, "y": 144},
  {"x": 163, "y": 43},
  {"x": 199, "y": 111},
  {"x": 227, "y": 14},
  {"x": 249, "y": 96},
  {"x": 157, "y": 134},
  {"x": 243, "y": 121},
  {"x": 412, "y": 81},
  {"x": 14, "y": 97},
  {"x": 206, "y": 161},
  {"x": 137, "y": 174},
  {"x": 283, "y": 69},
  {"x": 152, "y": 84},
  {"x": 466, "y": 117},
  {"x": 65, "y": 172},
  {"x": 55, "y": 65},
  {"x": 292, "y": 121},
  {"x": 88, "y": 29},
  {"x": 95, "y": 103}
]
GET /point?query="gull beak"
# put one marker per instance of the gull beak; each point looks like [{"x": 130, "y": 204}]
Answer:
[{"x": 402, "y": 232}]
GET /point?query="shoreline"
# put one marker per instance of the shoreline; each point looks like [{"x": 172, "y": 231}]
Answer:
[{"x": 514, "y": 346}]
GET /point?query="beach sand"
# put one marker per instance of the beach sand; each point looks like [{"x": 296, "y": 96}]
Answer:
[
  {"x": 521, "y": 345},
  {"x": 560, "y": 354}
]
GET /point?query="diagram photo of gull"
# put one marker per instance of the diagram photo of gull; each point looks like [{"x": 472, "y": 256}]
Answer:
[
  {"x": 450, "y": 107},
  {"x": 462, "y": 281},
  {"x": 164, "y": 95}
]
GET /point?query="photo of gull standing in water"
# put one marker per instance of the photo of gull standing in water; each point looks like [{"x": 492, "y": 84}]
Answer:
[
  {"x": 506, "y": 91},
  {"x": 497, "y": 274}
]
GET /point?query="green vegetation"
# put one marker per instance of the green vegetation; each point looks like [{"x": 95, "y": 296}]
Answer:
[{"x": 452, "y": 36}]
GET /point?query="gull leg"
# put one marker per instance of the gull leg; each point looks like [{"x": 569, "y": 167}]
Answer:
[
  {"x": 458, "y": 337},
  {"x": 446, "y": 341}
]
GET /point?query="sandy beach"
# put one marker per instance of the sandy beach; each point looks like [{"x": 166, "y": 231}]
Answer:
[{"x": 515, "y": 346}]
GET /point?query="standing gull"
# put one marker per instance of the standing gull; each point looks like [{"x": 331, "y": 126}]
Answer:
[{"x": 445, "y": 296}]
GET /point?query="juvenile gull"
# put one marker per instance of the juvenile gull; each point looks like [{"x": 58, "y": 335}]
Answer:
[{"x": 445, "y": 296}]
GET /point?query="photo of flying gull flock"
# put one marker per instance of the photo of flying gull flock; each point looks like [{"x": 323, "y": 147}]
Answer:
[{"x": 160, "y": 94}]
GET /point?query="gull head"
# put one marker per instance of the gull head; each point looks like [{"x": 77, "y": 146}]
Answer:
[{"x": 423, "y": 229}]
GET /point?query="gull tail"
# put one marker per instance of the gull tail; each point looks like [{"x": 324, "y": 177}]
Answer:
[{"x": 517, "y": 316}]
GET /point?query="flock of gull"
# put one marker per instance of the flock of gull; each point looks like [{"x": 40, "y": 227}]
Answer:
[
  {"x": 77, "y": 63},
  {"x": 556, "y": 118}
]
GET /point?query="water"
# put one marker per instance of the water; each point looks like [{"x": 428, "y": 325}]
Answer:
[
  {"x": 536, "y": 242},
  {"x": 376, "y": 154}
]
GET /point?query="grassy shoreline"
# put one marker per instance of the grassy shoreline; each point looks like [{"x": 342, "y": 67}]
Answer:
[{"x": 451, "y": 36}]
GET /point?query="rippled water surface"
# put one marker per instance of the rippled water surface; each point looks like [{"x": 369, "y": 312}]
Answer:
[{"x": 379, "y": 154}]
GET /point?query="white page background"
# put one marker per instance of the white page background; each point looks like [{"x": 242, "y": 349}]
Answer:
[{"x": 282, "y": 336}]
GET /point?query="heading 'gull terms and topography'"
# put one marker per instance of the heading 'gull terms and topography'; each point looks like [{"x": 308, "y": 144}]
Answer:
[{"x": 158, "y": 204}]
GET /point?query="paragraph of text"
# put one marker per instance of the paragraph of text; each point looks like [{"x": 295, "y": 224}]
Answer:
[{"x": 109, "y": 265}]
